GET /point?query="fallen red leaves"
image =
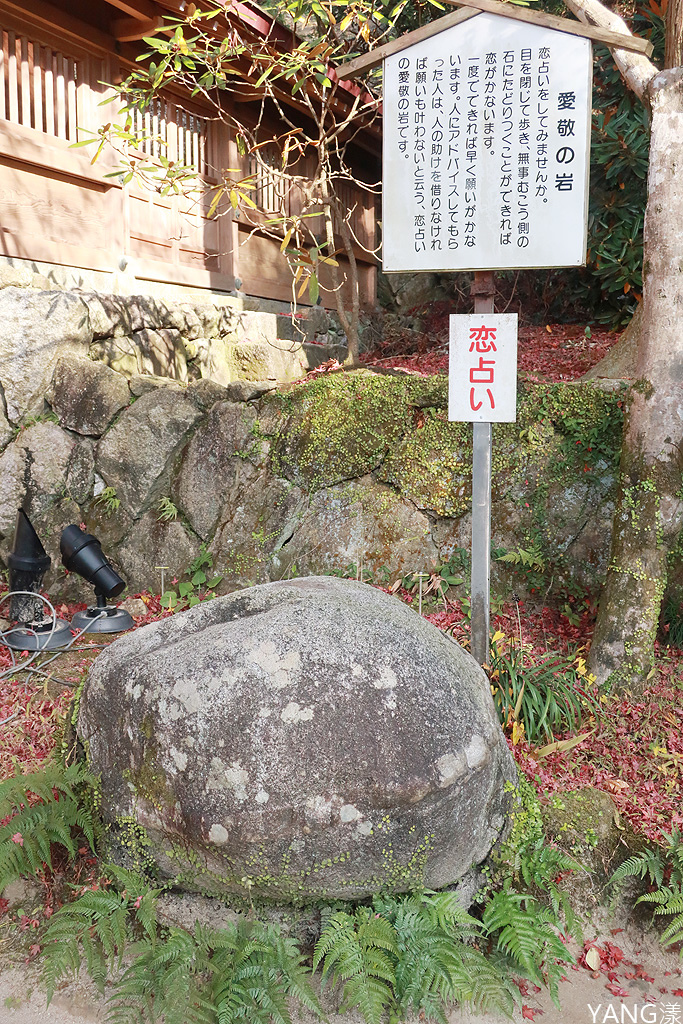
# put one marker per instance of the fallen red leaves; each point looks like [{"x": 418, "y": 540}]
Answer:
[
  {"x": 553, "y": 352},
  {"x": 635, "y": 754}
]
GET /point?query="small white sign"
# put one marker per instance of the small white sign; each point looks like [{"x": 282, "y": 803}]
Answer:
[
  {"x": 482, "y": 368},
  {"x": 486, "y": 149}
]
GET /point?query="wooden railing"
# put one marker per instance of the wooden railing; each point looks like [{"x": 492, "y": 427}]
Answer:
[
  {"x": 38, "y": 87},
  {"x": 170, "y": 130}
]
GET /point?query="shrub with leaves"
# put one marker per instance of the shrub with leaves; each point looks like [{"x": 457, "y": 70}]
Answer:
[
  {"x": 199, "y": 584},
  {"x": 40, "y": 811}
]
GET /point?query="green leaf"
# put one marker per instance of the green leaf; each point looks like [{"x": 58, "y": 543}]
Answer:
[{"x": 313, "y": 288}]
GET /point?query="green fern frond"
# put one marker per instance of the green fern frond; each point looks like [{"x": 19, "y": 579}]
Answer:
[
  {"x": 43, "y": 809},
  {"x": 525, "y": 932},
  {"x": 487, "y": 984},
  {"x": 98, "y": 925},
  {"x": 361, "y": 952},
  {"x": 670, "y": 901},
  {"x": 649, "y": 864}
]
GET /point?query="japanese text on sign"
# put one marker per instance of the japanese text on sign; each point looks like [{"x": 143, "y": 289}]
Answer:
[
  {"x": 486, "y": 143},
  {"x": 482, "y": 376}
]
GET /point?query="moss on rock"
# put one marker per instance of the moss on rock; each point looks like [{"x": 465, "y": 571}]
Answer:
[{"x": 342, "y": 426}]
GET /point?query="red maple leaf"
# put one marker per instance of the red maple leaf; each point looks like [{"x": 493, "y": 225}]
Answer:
[{"x": 529, "y": 1013}]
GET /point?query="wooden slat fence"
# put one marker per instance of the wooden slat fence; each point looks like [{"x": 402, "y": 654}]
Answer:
[
  {"x": 170, "y": 130},
  {"x": 38, "y": 86}
]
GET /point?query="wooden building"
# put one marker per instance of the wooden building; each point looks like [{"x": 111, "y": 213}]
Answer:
[{"x": 57, "y": 207}]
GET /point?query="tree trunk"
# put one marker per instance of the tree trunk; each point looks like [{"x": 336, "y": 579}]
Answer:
[
  {"x": 648, "y": 513},
  {"x": 673, "y": 54}
]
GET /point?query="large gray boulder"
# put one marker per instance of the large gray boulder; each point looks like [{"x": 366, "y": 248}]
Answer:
[{"x": 296, "y": 741}]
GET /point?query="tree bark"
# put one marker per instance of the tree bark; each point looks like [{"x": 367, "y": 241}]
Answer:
[
  {"x": 621, "y": 360},
  {"x": 649, "y": 508},
  {"x": 673, "y": 53}
]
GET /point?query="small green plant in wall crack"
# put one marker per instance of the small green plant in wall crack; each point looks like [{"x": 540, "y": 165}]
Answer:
[
  {"x": 199, "y": 584},
  {"x": 166, "y": 510},
  {"x": 108, "y": 501}
]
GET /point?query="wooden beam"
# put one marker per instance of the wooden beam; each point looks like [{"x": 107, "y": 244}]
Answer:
[
  {"x": 141, "y": 10},
  {"x": 60, "y": 24},
  {"x": 127, "y": 30},
  {"x": 620, "y": 40}
]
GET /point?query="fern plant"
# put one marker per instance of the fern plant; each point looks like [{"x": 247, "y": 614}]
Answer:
[
  {"x": 526, "y": 933},
  {"x": 670, "y": 901},
  {"x": 656, "y": 863},
  {"x": 43, "y": 809},
  {"x": 662, "y": 866},
  {"x": 241, "y": 972},
  {"x": 540, "y": 865},
  {"x": 360, "y": 950},
  {"x": 437, "y": 960},
  {"x": 97, "y": 927}
]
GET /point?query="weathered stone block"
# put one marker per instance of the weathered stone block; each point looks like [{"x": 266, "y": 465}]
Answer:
[{"x": 86, "y": 395}]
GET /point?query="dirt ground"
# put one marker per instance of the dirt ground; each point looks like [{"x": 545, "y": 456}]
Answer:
[{"x": 584, "y": 996}]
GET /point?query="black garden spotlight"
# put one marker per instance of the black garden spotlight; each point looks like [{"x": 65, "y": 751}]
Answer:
[
  {"x": 28, "y": 562},
  {"x": 82, "y": 554}
]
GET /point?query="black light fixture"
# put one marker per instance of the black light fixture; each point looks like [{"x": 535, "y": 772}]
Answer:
[
  {"x": 82, "y": 554},
  {"x": 28, "y": 562}
]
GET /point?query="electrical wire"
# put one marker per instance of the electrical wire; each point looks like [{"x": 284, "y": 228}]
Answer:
[{"x": 26, "y": 665}]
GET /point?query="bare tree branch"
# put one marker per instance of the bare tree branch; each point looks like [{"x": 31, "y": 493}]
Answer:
[{"x": 635, "y": 68}]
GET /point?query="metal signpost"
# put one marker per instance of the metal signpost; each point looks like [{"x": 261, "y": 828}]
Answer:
[
  {"x": 482, "y": 388},
  {"x": 487, "y": 117}
]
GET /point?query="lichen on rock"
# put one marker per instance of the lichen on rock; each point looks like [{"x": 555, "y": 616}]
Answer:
[{"x": 296, "y": 741}]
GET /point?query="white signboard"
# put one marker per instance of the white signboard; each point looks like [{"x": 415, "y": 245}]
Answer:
[
  {"x": 486, "y": 149},
  {"x": 482, "y": 368}
]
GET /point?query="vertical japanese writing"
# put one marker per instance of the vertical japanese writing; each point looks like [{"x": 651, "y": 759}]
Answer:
[
  {"x": 472, "y": 150},
  {"x": 486, "y": 148},
  {"x": 542, "y": 106},
  {"x": 564, "y": 180},
  {"x": 507, "y": 101},
  {"x": 525, "y": 82},
  {"x": 482, "y": 373},
  {"x": 436, "y": 152},
  {"x": 403, "y": 105},
  {"x": 419, "y": 152},
  {"x": 490, "y": 88},
  {"x": 453, "y": 168}
]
